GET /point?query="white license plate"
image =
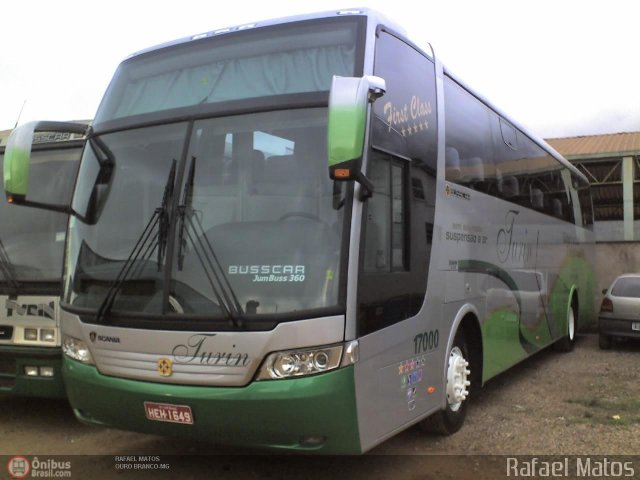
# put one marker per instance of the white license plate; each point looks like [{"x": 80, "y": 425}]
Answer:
[
  {"x": 166, "y": 412},
  {"x": 635, "y": 326}
]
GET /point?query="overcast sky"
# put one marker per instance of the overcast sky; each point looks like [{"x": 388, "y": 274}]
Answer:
[{"x": 559, "y": 67}]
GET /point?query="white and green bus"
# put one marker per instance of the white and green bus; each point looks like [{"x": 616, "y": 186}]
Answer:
[
  {"x": 307, "y": 234},
  {"x": 31, "y": 252}
]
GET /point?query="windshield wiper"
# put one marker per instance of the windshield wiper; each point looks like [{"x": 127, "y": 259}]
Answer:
[
  {"x": 205, "y": 253},
  {"x": 144, "y": 246},
  {"x": 6, "y": 267}
]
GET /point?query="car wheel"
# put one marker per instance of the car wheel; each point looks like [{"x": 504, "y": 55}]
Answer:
[{"x": 604, "y": 341}]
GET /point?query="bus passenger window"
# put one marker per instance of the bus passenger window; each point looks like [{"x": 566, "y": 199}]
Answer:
[{"x": 469, "y": 153}]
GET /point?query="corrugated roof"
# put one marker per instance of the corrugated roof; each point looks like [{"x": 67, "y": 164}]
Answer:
[{"x": 609, "y": 145}]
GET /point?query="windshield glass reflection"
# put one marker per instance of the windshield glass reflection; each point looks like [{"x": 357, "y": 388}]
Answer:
[
  {"x": 251, "y": 224},
  {"x": 32, "y": 240}
]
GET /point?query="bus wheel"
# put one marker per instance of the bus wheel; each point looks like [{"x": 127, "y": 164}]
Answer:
[
  {"x": 566, "y": 343},
  {"x": 450, "y": 420}
]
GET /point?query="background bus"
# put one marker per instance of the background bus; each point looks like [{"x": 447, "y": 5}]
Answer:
[
  {"x": 221, "y": 284},
  {"x": 31, "y": 251}
]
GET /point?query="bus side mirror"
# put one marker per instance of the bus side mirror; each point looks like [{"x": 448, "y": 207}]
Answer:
[
  {"x": 349, "y": 101},
  {"x": 17, "y": 162}
]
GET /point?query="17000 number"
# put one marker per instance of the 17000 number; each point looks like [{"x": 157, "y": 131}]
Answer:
[{"x": 426, "y": 341}]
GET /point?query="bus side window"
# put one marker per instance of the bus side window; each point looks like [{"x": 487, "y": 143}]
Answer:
[
  {"x": 384, "y": 249},
  {"x": 469, "y": 152}
]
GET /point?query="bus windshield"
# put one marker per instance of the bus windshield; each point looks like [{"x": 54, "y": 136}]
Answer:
[
  {"x": 256, "y": 63},
  {"x": 191, "y": 206},
  {"x": 245, "y": 223},
  {"x": 32, "y": 240}
]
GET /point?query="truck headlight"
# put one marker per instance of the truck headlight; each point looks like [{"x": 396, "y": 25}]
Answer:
[
  {"x": 31, "y": 334},
  {"x": 76, "y": 349},
  {"x": 47, "y": 335},
  {"x": 308, "y": 361}
]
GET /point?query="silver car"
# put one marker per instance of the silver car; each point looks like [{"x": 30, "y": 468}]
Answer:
[{"x": 620, "y": 310}]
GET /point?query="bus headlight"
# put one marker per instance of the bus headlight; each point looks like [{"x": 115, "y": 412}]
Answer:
[
  {"x": 299, "y": 363},
  {"x": 76, "y": 349}
]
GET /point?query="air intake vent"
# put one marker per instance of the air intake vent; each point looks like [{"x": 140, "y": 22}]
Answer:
[
  {"x": 7, "y": 367},
  {"x": 6, "y": 332}
]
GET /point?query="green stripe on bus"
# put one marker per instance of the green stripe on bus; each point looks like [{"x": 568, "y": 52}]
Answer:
[
  {"x": 576, "y": 273},
  {"x": 16, "y": 171},
  {"x": 527, "y": 342},
  {"x": 274, "y": 414},
  {"x": 346, "y": 130}
]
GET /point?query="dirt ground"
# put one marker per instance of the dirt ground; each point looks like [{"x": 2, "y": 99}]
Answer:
[{"x": 586, "y": 402}]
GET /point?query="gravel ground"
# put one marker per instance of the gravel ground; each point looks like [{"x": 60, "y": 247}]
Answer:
[{"x": 586, "y": 402}]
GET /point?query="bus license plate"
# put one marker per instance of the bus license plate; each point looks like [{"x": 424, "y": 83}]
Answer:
[
  {"x": 635, "y": 326},
  {"x": 164, "y": 412}
]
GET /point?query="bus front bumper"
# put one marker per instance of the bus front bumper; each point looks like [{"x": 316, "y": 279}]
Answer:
[
  {"x": 312, "y": 414},
  {"x": 31, "y": 371}
]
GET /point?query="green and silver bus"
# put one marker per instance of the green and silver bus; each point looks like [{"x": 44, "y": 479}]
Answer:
[
  {"x": 31, "y": 252},
  {"x": 307, "y": 234}
]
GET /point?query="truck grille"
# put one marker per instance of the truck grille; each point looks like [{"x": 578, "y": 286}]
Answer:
[
  {"x": 7, "y": 366},
  {"x": 6, "y": 332}
]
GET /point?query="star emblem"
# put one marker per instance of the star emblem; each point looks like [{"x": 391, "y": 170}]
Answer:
[{"x": 164, "y": 367}]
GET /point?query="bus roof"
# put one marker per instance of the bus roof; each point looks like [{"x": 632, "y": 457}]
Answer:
[
  {"x": 367, "y": 12},
  {"x": 378, "y": 19}
]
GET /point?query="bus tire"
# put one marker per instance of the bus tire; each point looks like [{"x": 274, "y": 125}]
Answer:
[
  {"x": 566, "y": 343},
  {"x": 451, "y": 419}
]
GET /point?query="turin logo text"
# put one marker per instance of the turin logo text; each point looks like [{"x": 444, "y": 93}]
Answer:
[{"x": 19, "y": 467}]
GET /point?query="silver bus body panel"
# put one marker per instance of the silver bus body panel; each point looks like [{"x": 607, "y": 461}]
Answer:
[
  {"x": 198, "y": 358},
  {"x": 387, "y": 374},
  {"x": 388, "y": 398},
  {"x": 392, "y": 379}
]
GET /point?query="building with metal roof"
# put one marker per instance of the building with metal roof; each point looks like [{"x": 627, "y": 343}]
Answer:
[
  {"x": 598, "y": 146},
  {"x": 611, "y": 162}
]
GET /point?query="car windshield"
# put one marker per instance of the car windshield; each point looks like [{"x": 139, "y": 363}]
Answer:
[
  {"x": 626, "y": 287},
  {"x": 245, "y": 222},
  {"x": 32, "y": 240}
]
